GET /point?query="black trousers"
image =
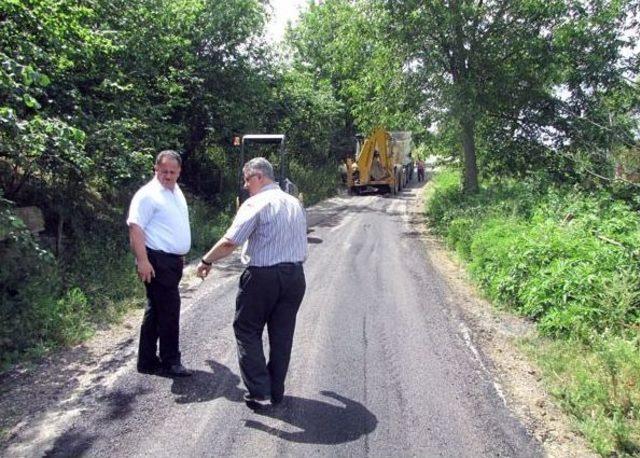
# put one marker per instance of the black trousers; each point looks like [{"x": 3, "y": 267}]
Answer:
[
  {"x": 161, "y": 319},
  {"x": 271, "y": 297}
]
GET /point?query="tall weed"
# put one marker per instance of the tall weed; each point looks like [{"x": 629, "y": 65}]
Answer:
[
  {"x": 208, "y": 224},
  {"x": 315, "y": 183},
  {"x": 597, "y": 383}
]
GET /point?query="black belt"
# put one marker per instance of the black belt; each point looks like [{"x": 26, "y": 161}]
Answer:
[
  {"x": 163, "y": 253},
  {"x": 280, "y": 264}
]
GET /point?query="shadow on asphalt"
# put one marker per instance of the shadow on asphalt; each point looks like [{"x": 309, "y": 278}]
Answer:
[
  {"x": 206, "y": 386},
  {"x": 71, "y": 443},
  {"x": 318, "y": 422}
]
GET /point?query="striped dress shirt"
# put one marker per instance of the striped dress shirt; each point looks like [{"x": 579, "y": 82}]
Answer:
[{"x": 272, "y": 227}]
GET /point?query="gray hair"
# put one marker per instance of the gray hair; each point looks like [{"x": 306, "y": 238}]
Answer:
[
  {"x": 259, "y": 165},
  {"x": 171, "y": 154}
]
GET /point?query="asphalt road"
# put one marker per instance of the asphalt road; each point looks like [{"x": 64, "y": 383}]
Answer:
[{"x": 382, "y": 365}]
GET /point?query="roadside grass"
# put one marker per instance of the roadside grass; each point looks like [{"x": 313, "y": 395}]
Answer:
[
  {"x": 207, "y": 225},
  {"x": 569, "y": 260},
  {"x": 597, "y": 384}
]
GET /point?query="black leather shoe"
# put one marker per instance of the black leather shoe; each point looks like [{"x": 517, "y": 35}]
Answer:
[
  {"x": 177, "y": 370},
  {"x": 148, "y": 370},
  {"x": 151, "y": 369}
]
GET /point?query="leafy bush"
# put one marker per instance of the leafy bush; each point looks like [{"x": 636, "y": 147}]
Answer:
[
  {"x": 563, "y": 257},
  {"x": 30, "y": 282},
  {"x": 315, "y": 183},
  {"x": 102, "y": 269},
  {"x": 207, "y": 225},
  {"x": 569, "y": 260}
]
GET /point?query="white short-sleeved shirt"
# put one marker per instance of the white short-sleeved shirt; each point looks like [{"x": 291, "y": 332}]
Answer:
[
  {"x": 163, "y": 216},
  {"x": 272, "y": 227}
]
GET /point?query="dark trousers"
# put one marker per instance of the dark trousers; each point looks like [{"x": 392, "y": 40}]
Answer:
[
  {"x": 267, "y": 296},
  {"x": 161, "y": 319}
]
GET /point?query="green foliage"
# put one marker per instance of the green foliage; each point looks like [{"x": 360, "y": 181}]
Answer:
[
  {"x": 315, "y": 183},
  {"x": 89, "y": 93},
  {"x": 569, "y": 260},
  {"x": 564, "y": 258},
  {"x": 208, "y": 225},
  {"x": 66, "y": 321},
  {"x": 310, "y": 116},
  {"x": 526, "y": 85},
  {"x": 29, "y": 283},
  {"x": 343, "y": 44},
  {"x": 102, "y": 269},
  {"x": 598, "y": 385}
]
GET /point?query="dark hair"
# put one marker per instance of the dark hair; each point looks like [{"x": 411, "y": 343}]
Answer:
[{"x": 171, "y": 154}]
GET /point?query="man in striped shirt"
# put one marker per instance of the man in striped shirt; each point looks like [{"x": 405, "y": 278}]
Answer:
[{"x": 271, "y": 226}]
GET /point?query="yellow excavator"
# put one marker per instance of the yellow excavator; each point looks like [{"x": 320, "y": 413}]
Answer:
[{"x": 381, "y": 163}]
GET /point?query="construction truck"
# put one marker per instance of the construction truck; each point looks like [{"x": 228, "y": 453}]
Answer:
[{"x": 382, "y": 162}]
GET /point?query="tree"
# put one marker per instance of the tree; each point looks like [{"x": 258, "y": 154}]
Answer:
[
  {"x": 474, "y": 58},
  {"x": 344, "y": 43},
  {"x": 501, "y": 64}
]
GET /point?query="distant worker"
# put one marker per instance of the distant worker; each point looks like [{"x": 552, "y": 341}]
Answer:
[
  {"x": 410, "y": 168},
  {"x": 271, "y": 227},
  {"x": 160, "y": 237},
  {"x": 343, "y": 172},
  {"x": 420, "y": 165}
]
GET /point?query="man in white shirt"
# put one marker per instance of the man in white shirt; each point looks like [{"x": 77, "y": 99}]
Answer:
[
  {"x": 272, "y": 228},
  {"x": 160, "y": 236}
]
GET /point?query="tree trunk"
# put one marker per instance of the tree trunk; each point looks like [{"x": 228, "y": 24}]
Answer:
[{"x": 470, "y": 183}]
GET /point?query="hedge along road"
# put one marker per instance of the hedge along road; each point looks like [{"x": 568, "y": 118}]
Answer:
[{"x": 382, "y": 365}]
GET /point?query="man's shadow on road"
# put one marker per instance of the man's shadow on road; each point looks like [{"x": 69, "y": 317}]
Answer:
[
  {"x": 206, "y": 386},
  {"x": 319, "y": 422}
]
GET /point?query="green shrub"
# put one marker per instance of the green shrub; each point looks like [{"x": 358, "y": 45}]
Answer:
[
  {"x": 208, "y": 224},
  {"x": 30, "y": 282},
  {"x": 571, "y": 261},
  {"x": 65, "y": 321},
  {"x": 565, "y": 258},
  {"x": 315, "y": 183}
]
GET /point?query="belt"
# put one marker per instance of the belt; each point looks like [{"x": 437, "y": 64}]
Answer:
[
  {"x": 280, "y": 264},
  {"x": 163, "y": 253}
]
